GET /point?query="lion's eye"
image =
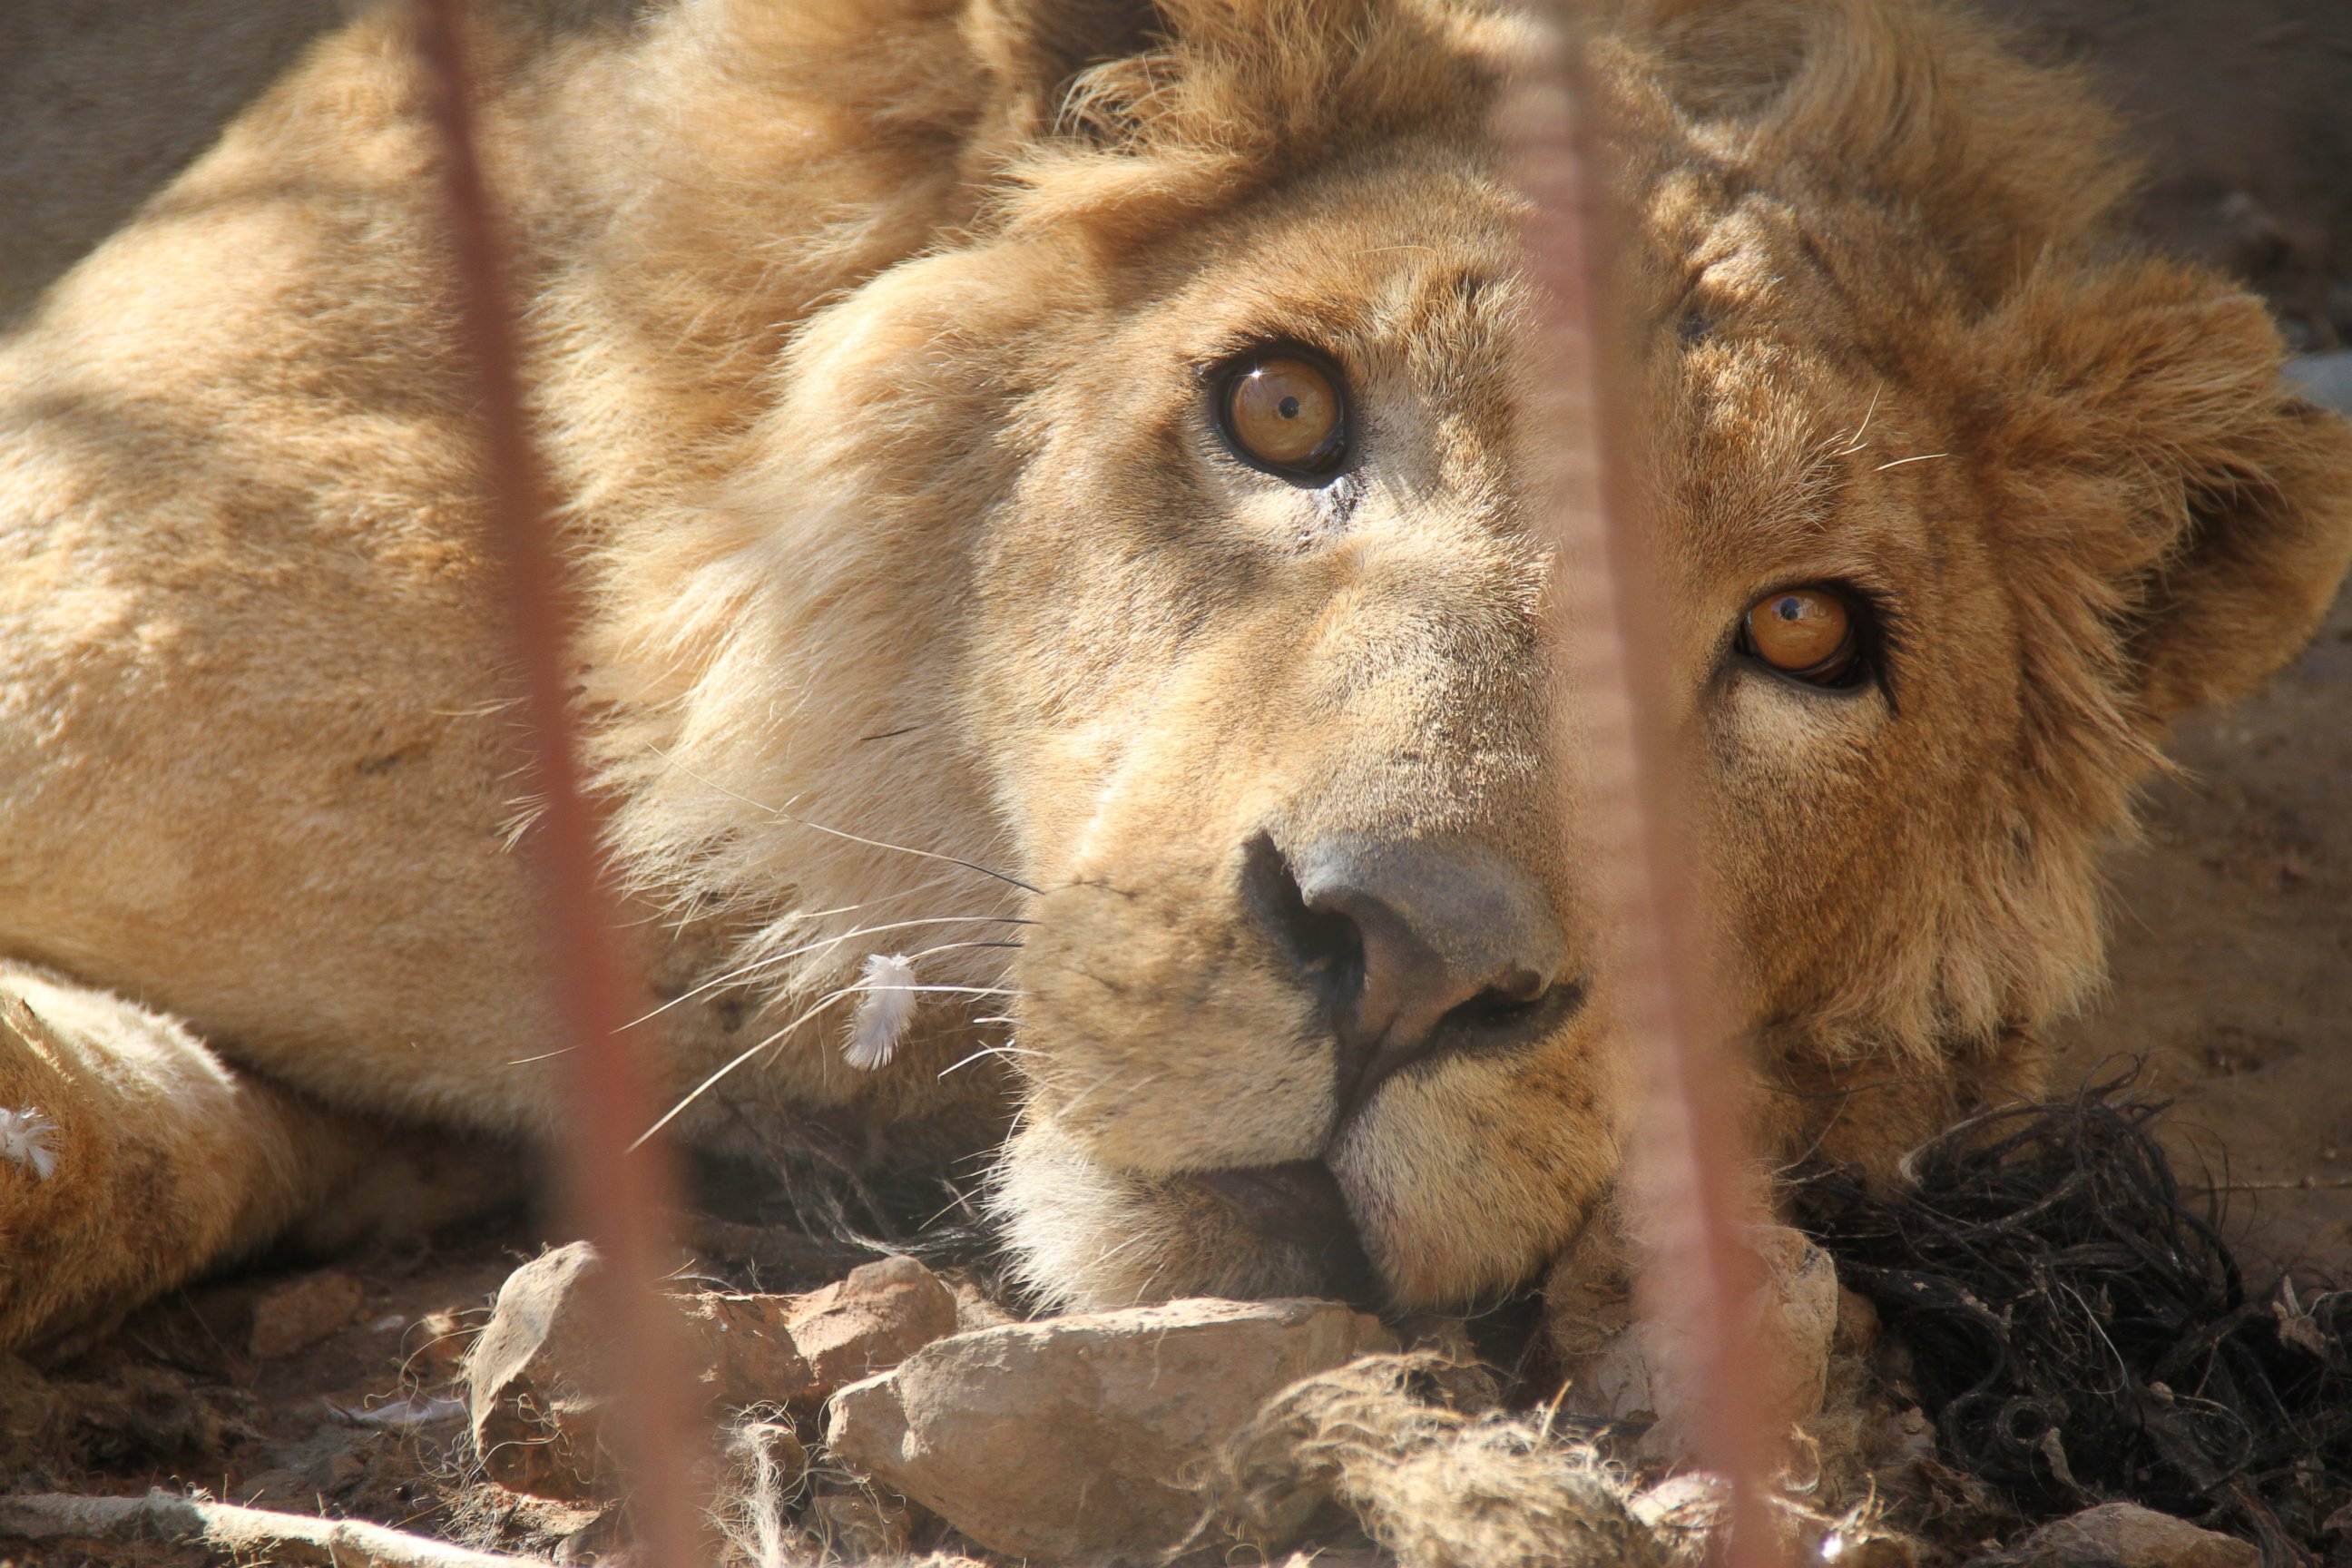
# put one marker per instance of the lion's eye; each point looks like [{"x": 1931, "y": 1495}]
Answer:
[
  {"x": 1806, "y": 633},
  {"x": 1285, "y": 414}
]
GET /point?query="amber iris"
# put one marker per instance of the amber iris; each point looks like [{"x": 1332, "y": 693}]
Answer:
[
  {"x": 1284, "y": 412},
  {"x": 1805, "y": 631}
]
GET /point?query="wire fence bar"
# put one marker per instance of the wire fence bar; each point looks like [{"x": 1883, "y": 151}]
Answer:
[
  {"x": 1689, "y": 1186},
  {"x": 618, "y": 1198}
]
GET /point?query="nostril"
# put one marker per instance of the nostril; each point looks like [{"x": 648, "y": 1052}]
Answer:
[
  {"x": 1507, "y": 1002},
  {"x": 1325, "y": 943},
  {"x": 1414, "y": 946}
]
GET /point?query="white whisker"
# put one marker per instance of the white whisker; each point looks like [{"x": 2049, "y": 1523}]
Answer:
[
  {"x": 770, "y": 960},
  {"x": 1855, "y": 445},
  {"x": 973, "y": 866},
  {"x": 1010, "y": 1051},
  {"x": 959, "y": 990},
  {"x": 704, "y": 1086}
]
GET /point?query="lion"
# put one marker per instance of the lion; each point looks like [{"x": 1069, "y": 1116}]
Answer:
[{"x": 1040, "y": 479}]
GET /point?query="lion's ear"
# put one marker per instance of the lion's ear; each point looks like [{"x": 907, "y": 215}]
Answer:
[
  {"x": 1036, "y": 48},
  {"x": 2149, "y": 442},
  {"x": 2269, "y": 530}
]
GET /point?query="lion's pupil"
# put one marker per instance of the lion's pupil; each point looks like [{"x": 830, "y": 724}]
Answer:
[
  {"x": 1283, "y": 411},
  {"x": 1801, "y": 632}
]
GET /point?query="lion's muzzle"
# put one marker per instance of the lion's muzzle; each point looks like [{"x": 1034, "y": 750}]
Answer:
[
  {"x": 1416, "y": 946},
  {"x": 1300, "y": 1205}
]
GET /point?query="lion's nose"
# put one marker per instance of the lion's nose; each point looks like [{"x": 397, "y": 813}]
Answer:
[{"x": 1417, "y": 945}]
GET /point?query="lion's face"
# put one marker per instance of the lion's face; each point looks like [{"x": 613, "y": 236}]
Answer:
[
  {"x": 1275, "y": 748},
  {"x": 1315, "y": 997},
  {"x": 1314, "y": 954}
]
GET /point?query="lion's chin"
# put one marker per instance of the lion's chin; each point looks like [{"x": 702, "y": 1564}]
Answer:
[{"x": 1088, "y": 1236}]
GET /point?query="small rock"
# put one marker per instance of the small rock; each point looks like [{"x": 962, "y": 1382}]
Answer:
[
  {"x": 323, "y": 1464},
  {"x": 534, "y": 1377},
  {"x": 2126, "y": 1535},
  {"x": 1587, "y": 1300},
  {"x": 743, "y": 1353},
  {"x": 299, "y": 1314},
  {"x": 600, "y": 1538},
  {"x": 976, "y": 1309},
  {"x": 771, "y": 1459},
  {"x": 1796, "y": 1322},
  {"x": 1073, "y": 1437},
  {"x": 1684, "y": 1513},
  {"x": 1857, "y": 1324},
  {"x": 858, "y": 1526},
  {"x": 530, "y": 1384},
  {"x": 883, "y": 1313},
  {"x": 767, "y": 1476}
]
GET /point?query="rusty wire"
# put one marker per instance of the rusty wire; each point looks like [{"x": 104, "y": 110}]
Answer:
[
  {"x": 1687, "y": 1176},
  {"x": 618, "y": 1198}
]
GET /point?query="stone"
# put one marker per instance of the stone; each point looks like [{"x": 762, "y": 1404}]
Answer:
[
  {"x": 975, "y": 1308},
  {"x": 1858, "y": 1326},
  {"x": 324, "y": 1464},
  {"x": 1796, "y": 1320},
  {"x": 532, "y": 1377},
  {"x": 294, "y": 1316},
  {"x": 883, "y": 1313},
  {"x": 530, "y": 1381},
  {"x": 857, "y": 1527},
  {"x": 1077, "y": 1437},
  {"x": 742, "y": 1352},
  {"x": 769, "y": 1458},
  {"x": 2126, "y": 1535},
  {"x": 1683, "y": 1513}
]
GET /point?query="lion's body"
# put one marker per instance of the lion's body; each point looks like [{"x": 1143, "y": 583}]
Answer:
[{"x": 834, "y": 341}]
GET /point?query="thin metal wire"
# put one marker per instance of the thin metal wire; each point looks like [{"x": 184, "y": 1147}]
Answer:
[
  {"x": 618, "y": 1199},
  {"x": 1688, "y": 1180}
]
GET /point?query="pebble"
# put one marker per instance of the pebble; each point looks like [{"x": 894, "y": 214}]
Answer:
[
  {"x": 2126, "y": 1535},
  {"x": 534, "y": 1376},
  {"x": 1796, "y": 1325},
  {"x": 883, "y": 1313},
  {"x": 1074, "y": 1439}
]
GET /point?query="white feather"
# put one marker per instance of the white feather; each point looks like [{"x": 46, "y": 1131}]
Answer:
[
  {"x": 29, "y": 1138},
  {"x": 883, "y": 1009}
]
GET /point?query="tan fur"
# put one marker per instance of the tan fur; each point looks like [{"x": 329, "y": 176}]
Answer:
[{"x": 866, "y": 342}]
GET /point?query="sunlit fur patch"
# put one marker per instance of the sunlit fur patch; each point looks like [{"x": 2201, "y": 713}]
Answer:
[{"x": 1082, "y": 1235}]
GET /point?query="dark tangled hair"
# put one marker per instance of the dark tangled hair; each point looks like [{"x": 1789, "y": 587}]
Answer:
[{"x": 2079, "y": 1333}]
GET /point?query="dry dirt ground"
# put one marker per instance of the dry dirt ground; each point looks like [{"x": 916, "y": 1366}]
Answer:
[{"x": 2232, "y": 933}]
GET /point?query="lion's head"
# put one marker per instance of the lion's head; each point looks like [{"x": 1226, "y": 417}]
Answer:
[{"x": 1174, "y": 563}]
